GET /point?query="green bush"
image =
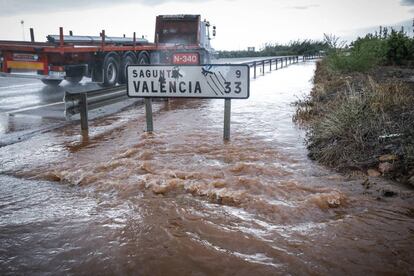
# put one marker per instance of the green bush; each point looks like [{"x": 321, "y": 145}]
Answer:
[
  {"x": 400, "y": 48},
  {"x": 365, "y": 53},
  {"x": 305, "y": 47},
  {"x": 395, "y": 48}
]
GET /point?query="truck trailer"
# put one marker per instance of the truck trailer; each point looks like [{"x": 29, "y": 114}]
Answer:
[{"x": 178, "y": 39}]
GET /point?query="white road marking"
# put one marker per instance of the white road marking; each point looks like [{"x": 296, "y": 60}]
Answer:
[
  {"x": 32, "y": 107},
  {"x": 18, "y": 85}
]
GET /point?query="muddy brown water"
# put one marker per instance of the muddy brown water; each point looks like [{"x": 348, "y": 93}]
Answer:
[{"x": 183, "y": 202}]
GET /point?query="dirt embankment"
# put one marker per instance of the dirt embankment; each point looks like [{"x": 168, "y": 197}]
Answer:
[{"x": 362, "y": 121}]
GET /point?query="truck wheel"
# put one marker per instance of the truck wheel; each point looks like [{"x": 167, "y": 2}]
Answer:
[
  {"x": 127, "y": 60},
  {"x": 143, "y": 58},
  {"x": 74, "y": 80},
  {"x": 110, "y": 71},
  {"x": 53, "y": 83}
]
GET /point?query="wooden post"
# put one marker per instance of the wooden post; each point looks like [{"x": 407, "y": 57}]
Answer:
[
  {"x": 148, "y": 115},
  {"x": 276, "y": 63},
  {"x": 83, "y": 106},
  {"x": 32, "y": 38},
  {"x": 270, "y": 65},
  {"x": 227, "y": 112}
]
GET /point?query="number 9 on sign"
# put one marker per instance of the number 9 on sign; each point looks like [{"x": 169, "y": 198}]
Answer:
[{"x": 238, "y": 74}]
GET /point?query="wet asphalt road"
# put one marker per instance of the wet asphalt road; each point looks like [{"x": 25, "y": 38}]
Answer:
[{"x": 27, "y": 106}]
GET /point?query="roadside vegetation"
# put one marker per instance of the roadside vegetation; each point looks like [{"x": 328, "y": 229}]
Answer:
[
  {"x": 360, "y": 113},
  {"x": 305, "y": 47}
]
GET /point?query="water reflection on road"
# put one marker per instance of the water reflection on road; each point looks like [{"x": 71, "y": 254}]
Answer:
[{"x": 181, "y": 201}]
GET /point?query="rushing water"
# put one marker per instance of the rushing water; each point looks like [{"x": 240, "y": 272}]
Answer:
[{"x": 181, "y": 201}]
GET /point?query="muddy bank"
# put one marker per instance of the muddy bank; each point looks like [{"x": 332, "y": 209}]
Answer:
[{"x": 362, "y": 121}]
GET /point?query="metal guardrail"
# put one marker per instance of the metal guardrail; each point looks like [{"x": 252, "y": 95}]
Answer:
[
  {"x": 79, "y": 102},
  {"x": 279, "y": 62}
]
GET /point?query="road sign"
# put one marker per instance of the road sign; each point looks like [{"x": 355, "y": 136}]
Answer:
[{"x": 220, "y": 81}]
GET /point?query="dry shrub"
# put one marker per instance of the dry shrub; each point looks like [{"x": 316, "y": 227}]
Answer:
[{"x": 353, "y": 120}]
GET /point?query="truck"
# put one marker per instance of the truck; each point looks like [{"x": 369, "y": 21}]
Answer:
[{"x": 178, "y": 40}]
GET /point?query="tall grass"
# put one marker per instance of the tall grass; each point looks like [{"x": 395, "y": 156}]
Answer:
[{"x": 354, "y": 119}]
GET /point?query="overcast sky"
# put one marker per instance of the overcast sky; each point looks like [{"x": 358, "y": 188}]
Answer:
[{"x": 240, "y": 23}]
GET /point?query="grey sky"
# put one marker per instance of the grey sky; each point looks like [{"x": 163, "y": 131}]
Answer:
[
  {"x": 11, "y": 7},
  {"x": 407, "y": 2},
  {"x": 305, "y": 7},
  {"x": 240, "y": 23}
]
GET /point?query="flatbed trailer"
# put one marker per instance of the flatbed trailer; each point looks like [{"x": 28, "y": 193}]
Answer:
[{"x": 179, "y": 39}]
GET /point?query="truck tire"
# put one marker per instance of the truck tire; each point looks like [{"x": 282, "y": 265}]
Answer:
[
  {"x": 110, "y": 71},
  {"x": 74, "y": 80},
  {"x": 143, "y": 58},
  {"x": 128, "y": 59},
  {"x": 52, "y": 83}
]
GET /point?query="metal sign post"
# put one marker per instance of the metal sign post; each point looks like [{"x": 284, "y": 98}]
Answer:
[
  {"x": 227, "y": 112},
  {"x": 212, "y": 81},
  {"x": 148, "y": 114}
]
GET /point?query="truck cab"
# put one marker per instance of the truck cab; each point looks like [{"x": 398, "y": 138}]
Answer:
[{"x": 181, "y": 31}]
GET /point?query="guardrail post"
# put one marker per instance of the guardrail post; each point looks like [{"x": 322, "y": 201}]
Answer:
[
  {"x": 270, "y": 64},
  {"x": 227, "y": 112},
  {"x": 148, "y": 115},
  {"x": 255, "y": 69},
  {"x": 83, "y": 108},
  {"x": 263, "y": 67},
  {"x": 276, "y": 64}
]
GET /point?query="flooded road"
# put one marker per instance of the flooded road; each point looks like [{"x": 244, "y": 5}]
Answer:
[{"x": 181, "y": 201}]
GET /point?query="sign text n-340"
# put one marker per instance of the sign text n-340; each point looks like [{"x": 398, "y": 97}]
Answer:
[{"x": 222, "y": 81}]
